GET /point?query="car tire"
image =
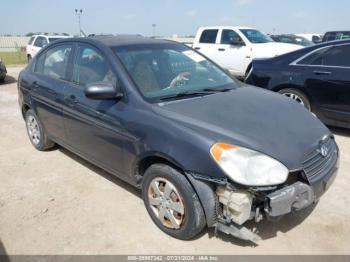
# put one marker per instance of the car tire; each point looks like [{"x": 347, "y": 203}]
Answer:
[
  {"x": 36, "y": 133},
  {"x": 297, "y": 96},
  {"x": 174, "y": 192},
  {"x": 29, "y": 58},
  {"x": 2, "y": 80}
]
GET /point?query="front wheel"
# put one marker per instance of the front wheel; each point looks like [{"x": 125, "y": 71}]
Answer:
[
  {"x": 171, "y": 202},
  {"x": 297, "y": 96}
]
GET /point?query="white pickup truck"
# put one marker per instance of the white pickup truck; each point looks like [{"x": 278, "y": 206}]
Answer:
[{"x": 234, "y": 48}]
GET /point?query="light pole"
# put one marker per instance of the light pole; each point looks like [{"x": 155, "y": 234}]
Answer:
[
  {"x": 78, "y": 13},
  {"x": 154, "y": 30}
]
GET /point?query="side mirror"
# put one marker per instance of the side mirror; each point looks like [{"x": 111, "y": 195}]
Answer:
[
  {"x": 102, "y": 91},
  {"x": 237, "y": 42}
]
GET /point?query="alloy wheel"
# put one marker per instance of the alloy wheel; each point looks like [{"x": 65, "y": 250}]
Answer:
[
  {"x": 295, "y": 97},
  {"x": 33, "y": 130}
]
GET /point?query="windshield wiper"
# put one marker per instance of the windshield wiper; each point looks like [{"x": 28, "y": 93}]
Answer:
[
  {"x": 217, "y": 90},
  {"x": 189, "y": 94}
]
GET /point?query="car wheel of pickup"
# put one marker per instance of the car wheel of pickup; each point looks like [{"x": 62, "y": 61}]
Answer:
[
  {"x": 36, "y": 132},
  {"x": 171, "y": 202},
  {"x": 297, "y": 96}
]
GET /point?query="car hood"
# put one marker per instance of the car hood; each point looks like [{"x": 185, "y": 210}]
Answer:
[
  {"x": 272, "y": 49},
  {"x": 253, "y": 118}
]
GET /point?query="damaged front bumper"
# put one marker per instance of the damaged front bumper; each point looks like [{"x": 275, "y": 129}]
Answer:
[
  {"x": 299, "y": 195},
  {"x": 234, "y": 206}
]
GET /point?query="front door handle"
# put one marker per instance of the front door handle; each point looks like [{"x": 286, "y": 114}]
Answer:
[
  {"x": 221, "y": 49},
  {"x": 35, "y": 85},
  {"x": 71, "y": 100},
  {"x": 322, "y": 73}
]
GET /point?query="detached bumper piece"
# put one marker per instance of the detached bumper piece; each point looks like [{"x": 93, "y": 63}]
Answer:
[
  {"x": 239, "y": 232},
  {"x": 291, "y": 198}
]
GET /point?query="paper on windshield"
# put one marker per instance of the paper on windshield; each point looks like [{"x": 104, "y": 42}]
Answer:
[{"x": 193, "y": 56}]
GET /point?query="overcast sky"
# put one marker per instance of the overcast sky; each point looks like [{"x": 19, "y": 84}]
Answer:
[{"x": 180, "y": 17}]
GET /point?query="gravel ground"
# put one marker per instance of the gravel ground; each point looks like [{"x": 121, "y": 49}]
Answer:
[{"x": 56, "y": 203}]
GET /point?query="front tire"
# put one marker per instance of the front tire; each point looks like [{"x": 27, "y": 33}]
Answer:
[
  {"x": 297, "y": 96},
  {"x": 172, "y": 203},
  {"x": 36, "y": 133}
]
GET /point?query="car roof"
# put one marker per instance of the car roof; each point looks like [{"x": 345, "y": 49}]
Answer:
[
  {"x": 336, "y": 32},
  {"x": 119, "y": 40},
  {"x": 226, "y": 27},
  {"x": 52, "y": 36},
  {"x": 335, "y": 42}
]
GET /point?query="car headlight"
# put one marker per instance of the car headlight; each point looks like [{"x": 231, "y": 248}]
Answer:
[{"x": 248, "y": 167}]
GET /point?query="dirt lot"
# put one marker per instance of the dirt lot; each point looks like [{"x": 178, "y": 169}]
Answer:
[{"x": 56, "y": 203}]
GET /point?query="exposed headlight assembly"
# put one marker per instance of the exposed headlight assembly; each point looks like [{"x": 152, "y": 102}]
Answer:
[{"x": 248, "y": 167}]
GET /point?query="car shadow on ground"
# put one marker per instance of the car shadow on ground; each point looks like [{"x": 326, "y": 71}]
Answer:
[
  {"x": 101, "y": 172},
  {"x": 3, "y": 255},
  {"x": 8, "y": 80},
  {"x": 265, "y": 229}
]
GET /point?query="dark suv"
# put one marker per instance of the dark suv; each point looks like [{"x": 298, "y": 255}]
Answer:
[
  {"x": 206, "y": 149},
  {"x": 336, "y": 35}
]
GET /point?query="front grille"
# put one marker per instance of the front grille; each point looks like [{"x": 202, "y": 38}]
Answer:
[{"x": 317, "y": 165}]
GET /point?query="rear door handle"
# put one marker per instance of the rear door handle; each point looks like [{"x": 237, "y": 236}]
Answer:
[
  {"x": 221, "y": 49},
  {"x": 197, "y": 48},
  {"x": 322, "y": 73}
]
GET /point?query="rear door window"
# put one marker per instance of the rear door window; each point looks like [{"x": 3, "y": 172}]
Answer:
[
  {"x": 209, "y": 36},
  {"x": 332, "y": 56},
  {"x": 336, "y": 56},
  {"x": 54, "y": 63},
  {"x": 314, "y": 57}
]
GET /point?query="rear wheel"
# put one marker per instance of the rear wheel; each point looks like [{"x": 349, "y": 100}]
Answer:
[
  {"x": 36, "y": 133},
  {"x": 297, "y": 96},
  {"x": 29, "y": 58},
  {"x": 171, "y": 202}
]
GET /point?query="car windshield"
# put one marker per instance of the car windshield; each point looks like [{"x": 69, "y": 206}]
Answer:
[
  {"x": 303, "y": 41},
  {"x": 256, "y": 37},
  {"x": 162, "y": 71}
]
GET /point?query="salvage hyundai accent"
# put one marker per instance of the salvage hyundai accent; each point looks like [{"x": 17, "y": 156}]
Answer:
[{"x": 206, "y": 149}]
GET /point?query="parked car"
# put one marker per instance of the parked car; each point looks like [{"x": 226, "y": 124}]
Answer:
[
  {"x": 3, "y": 71},
  {"x": 317, "y": 77},
  {"x": 315, "y": 38},
  {"x": 336, "y": 35},
  {"x": 204, "y": 148},
  {"x": 234, "y": 48},
  {"x": 36, "y": 42},
  {"x": 292, "y": 39}
]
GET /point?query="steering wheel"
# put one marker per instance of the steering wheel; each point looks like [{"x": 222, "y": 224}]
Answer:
[{"x": 180, "y": 79}]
